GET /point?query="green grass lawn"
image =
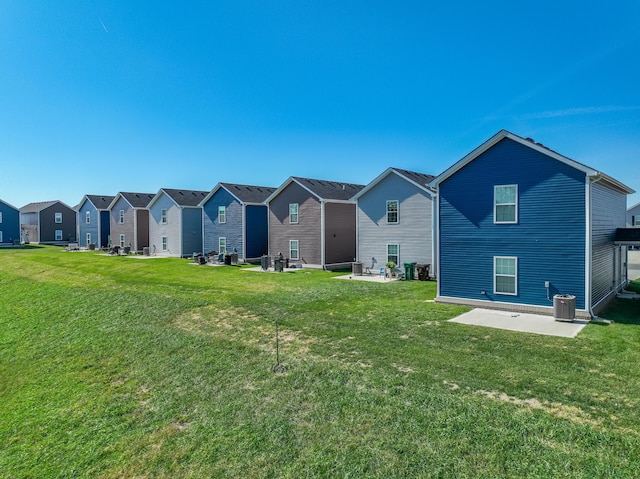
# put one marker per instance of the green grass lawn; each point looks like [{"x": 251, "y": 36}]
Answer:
[{"x": 117, "y": 367}]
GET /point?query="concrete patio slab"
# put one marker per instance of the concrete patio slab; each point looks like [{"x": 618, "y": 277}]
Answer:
[
  {"x": 522, "y": 322},
  {"x": 374, "y": 278}
]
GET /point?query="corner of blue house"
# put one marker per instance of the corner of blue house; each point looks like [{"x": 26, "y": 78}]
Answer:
[{"x": 548, "y": 239}]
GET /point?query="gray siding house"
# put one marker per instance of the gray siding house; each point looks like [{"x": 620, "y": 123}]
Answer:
[
  {"x": 395, "y": 219},
  {"x": 9, "y": 224},
  {"x": 48, "y": 222},
  {"x": 94, "y": 223},
  {"x": 633, "y": 216},
  {"x": 313, "y": 222},
  {"x": 175, "y": 222},
  {"x": 235, "y": 218},
  {"x": 129, "y": 220}
]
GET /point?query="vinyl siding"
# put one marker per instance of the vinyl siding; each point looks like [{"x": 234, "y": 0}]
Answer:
[
  {"x": 10, "y": 225},
  {"x": 257, "y": 231},
  {"x": 48, "y": 226},
  {"x": 340, "y": 232},
  {"x": 307, "y": 231},
  {"x": 191, "y": 231},
  {"x": 548, "y": 240},
  {"x": 413, "y": 232},
  {"x": 231, "y": 229},
  {"x": 92, "y": 227},
  {"x": 126, "y": 228},
  {"x": 635, "y": 211},
  {"x": 608, "y": 212},
  {"x": 171, "y": 229}
]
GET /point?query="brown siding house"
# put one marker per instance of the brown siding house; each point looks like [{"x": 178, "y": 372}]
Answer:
[
  {"x": 313, "y": 222},
  {"x": 129, "y": 220}
]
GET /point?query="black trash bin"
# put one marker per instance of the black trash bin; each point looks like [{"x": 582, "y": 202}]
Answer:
[
  {"x": 423, "y": 271},
  {"x": 278, "y": 265},
  {"x": 227, "y": 259},
  {"x": 265, "y": 262}
]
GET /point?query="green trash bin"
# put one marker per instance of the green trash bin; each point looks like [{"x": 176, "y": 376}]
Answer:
[{"x": 408, "y": 270}]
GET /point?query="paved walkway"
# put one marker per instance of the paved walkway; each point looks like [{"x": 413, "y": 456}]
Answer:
[{"x": 522, "y": 322}]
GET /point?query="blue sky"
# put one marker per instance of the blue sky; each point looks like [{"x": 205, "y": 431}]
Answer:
[{"x": 98, "y": 97}]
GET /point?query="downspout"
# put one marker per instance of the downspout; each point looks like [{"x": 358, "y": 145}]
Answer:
[
  {"x": 243, "y": 233},
  {"x": 437, "y": 241}
]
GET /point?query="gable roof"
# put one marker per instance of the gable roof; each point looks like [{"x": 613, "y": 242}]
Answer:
[
  {"x": 246, "y": 194},
  {"x": 528, "y": 142},
  {"x": 100, "y": 202},
  {"x": 38, "y": 206},
  {"x": 182, "y": 198},
  {"x": 421, "y": 180},
  {"x": 634, "y": 206},
  {"x": 136, "y": 200},
  {"x": 322, "y": 189},
  {"x": 9, "y": 205}
]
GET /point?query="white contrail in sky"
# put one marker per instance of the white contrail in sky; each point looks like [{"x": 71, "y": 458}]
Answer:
[{"x": 102, "y": 23}]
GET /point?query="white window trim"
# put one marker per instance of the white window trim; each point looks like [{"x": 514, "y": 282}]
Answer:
[
  {"x": 0, "y": 216},
  {"x": 121, "y": 217},
  {"x": 222, "y": 214},
  {"x": 297, "y": 214},
  {"x": 57, "y": 216},
  {"x": 122, "y": 240},
  {"x": 163, "y": 216},
  {"x": 165, "y": 244},
  {"x": 58, "y": 234},
  {"x": 397, "y": 254},
  {"x": 495, "y": 205},
  {"x": 1, "y": 238},
  {"x": 635, "y": 220},
  {"x": 88, "y": 239},
  {"x": 397, "y": 212},
  {"x": 297, "y": 257},
  {"x": 220, "y": 249},
  {"x": 87, "y": 217},
  {"x": 515, "y": 276}
]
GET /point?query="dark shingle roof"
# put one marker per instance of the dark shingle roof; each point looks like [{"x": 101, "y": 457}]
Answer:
[
  {"x": 421, "y": 178},
  {"x": 138, "y": 200},
  {"x": 186, "y": 197},
  {"x": 36, "y": 206},
  {"x": 329, "y": 190},
  {"x": 101, "y": 202},
  {"x": 249, "y": 193}
]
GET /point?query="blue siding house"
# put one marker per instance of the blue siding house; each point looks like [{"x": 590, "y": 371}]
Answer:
[
  {"x": 235, "y": 219},
  {"x": 394, "y": 219},
  {"x": 94, "y": 224},
  {"x": 9, "y": 224},
  {"x": 517, "y": 223},
  {"x": 175, "y": 222}
]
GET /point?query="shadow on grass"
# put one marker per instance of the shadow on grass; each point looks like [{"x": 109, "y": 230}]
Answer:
[
  {"x": 22, "y": 246},
  {"x": 623, "y": 311}
]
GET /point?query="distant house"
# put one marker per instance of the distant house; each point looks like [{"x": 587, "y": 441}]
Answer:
[
  {"x": 129, "y": 220},
  {"x": 175, "y": 222},
  {"x": 94, "y": 225},
  {"x": 518, "y": 223},
  {"x": 9, "y": 223},
  {"x": 48, "y": 222},
  {"x": 235, "y": 218},
  {"x": 633, "y": 216},
  {"x": 395, "y": 219},
  {"x": 313, "y": 222}
]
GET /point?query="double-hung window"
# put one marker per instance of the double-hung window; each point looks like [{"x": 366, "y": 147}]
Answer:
[
  {"x": 122, "y": 239},
  {"x": 222, "y": 245},
  {"x": 87, "y": 218},
  {"x": 58, "y": 217},
  {"x": 635, "y": 220},
  {"x": 121, "y": 217},
  {"x": 505, "y": 275},
  {"x": 58, "y": 235},
  {"x": 294, "y": 249},
  {"x": 163, "y": 216},
  {"x": 88, "y": 239},
  {"x": 505, "y": 204},
  {"x": 1, "y": 237},
  {"x": 222, "y": 214},
  {"x": 293, "y": 213},
  {"x": 0, "y": 216},
  {"x": 393, "y": 253},
  {"x": 392, "y": 211},
  {"x": 164, "y": 243}
]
